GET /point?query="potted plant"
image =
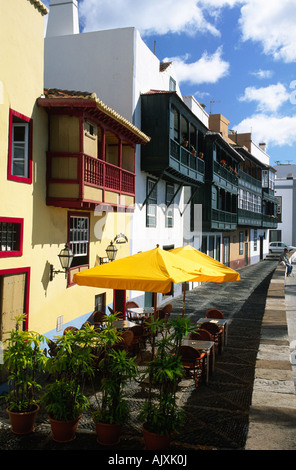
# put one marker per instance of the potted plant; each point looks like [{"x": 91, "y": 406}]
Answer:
[
  {"x": 116, "y": 369},
  {"x": 23, "y": 360},
  {"x": 161, "y": 416},
  {"x": 63, "y": 398}
]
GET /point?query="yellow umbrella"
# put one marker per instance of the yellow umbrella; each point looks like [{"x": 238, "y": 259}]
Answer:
[
  {"x": 150, "y": 271},
  {"x": 210, "y": 270}
]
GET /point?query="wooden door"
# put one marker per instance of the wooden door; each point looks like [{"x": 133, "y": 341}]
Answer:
[{"x": 12, "y": 301}]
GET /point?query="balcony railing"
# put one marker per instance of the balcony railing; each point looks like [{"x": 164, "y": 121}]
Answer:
[
  {"x": 78, "y": 180},
  {"x": 187, "y": 164},
  {"x": 269, "y": 221},
  {"x": 223, "y": 216},
  {"x": 248, "y": 181},
  {"x": 105, "y": 175},
  {"x": 222, "y": 172}
]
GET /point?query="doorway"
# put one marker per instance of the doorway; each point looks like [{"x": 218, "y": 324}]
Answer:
[
  {"x": 226, "y": 252},
  {"x": 13, "y": 300}
]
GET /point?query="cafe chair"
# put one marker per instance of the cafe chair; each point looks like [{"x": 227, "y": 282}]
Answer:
[
  {"x": 70, "y": 329},
  {"x": 120, "y": 315},
  {"x": 127, "y": 338},
  {"x": 167, "y": 309},
  {"x": 201, "y": 335},
  {"x": 131, "y": 304},
  {"x": 193, "y": 362},
  {"x": 132, "y": 316},
  {"x": 214, "y": 313},
  {"x": 98, "y": 319},
  {"x": 216, "y": 332},
  {"x": 139, "y": 339}
]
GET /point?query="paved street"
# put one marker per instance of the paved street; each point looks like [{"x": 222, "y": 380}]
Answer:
[{"x": 217, "y": 412}]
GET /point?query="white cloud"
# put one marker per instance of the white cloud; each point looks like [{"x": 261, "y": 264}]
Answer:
[
  {"x": 274, "y": 130},
  {"x": 153, "y": 17},
  {"x": 271, "y": 23},
  {"x": 208, "y": 69},
  {"x": 269, "y": 98},
  {"x": 262, "y": 74}
]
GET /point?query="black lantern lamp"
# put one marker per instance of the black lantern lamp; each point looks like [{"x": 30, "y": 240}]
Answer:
[
  {"x": 111, "y": 251},
  {"x": 66, "y": 257}
]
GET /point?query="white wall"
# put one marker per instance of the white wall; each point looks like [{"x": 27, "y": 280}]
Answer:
[{"x": 284, "y": 188}]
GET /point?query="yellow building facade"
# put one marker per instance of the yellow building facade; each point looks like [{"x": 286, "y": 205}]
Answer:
[{"x": 67, "y": 177}]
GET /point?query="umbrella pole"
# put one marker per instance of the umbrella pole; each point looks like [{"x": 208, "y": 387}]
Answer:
[{"x": 184, "y": 292}]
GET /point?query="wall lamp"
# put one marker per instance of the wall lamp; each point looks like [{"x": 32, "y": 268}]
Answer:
[
  {"x": 66, "y": 257},
  {"x": 111, "y": 252},
  {"x": 120, "y": 238}
]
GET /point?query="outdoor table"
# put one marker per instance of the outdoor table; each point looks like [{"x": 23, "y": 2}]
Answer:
[
  {"x": 123, "y": 324},
  {"x": 205, "y": 346},
  {"x": 141, "y": 313},
  {"x": 221, "y": 322}
]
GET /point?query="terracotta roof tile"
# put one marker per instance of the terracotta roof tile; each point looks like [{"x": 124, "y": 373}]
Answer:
[
  {"x": 56, "y": 94},
  {"x": 40, "y": 6}
]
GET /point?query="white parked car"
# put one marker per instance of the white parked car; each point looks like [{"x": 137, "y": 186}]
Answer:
[{"x": 278, "y": 247}]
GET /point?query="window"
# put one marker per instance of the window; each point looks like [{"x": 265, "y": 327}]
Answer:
[
  {"x": 172, "y": 84},
  {"x": 79, "y": 238},
  {"x": 151, "y": 191},
  {"x": 241, "y": 243},
  {"x": 169, "y": 215},
  {"x": 100, "y": 302},
  {"x": 255, "y": 239},
  {"x": 11, "y": 237},
  {"x": 176, "y": 123},
  {"x": 20, "y": 148}
]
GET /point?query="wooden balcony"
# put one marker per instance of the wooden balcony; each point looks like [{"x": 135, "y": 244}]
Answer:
[
  {"x": 79, "y": 181},
  {"x": 249, "y": 218},
  {"x": 223, "y": 177}
]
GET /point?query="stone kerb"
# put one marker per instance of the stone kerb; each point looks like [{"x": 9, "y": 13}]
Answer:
[{"x": 272, "y": 416}]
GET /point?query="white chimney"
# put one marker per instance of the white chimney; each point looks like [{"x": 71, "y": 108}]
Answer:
[
  {"x": 263, "y": 146},
  {"x": 63, "y": 18}
]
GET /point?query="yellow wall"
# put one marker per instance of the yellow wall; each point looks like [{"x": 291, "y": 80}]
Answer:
[{"x": 45, "y": 227}]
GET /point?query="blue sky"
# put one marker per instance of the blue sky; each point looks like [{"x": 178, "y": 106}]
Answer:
[{"x": 237, "y": 57}]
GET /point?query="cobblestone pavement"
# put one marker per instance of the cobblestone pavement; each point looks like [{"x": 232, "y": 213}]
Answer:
[{"x": 217, "y": 412}]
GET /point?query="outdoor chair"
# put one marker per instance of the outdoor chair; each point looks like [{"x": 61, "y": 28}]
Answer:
[
  {"x": 201, "y": 335},
  {"x": 120, "y": 315},
  {"x": 127, "y": 338},
  {"x": 216, "y": 332},
  {"x": 139, "y": 339},
  {"x": 193, "y": 362},
  {"x": 98, "y": 319},
  {"x": 131, "y": 304},
  {"x": 214, "y": 313},
  {"x": 70, "y": 329}
]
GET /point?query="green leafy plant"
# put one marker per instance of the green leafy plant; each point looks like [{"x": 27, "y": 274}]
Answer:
[
  {"x": 25, "y": 361},
  {"x": 72, "y": 363},
  {"x": 161, "y": 413},
  {"x": 116, "y": 369}
]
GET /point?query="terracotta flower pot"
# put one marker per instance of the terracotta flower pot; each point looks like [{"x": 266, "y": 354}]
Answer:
[
  {"x": 22, "y": 423},
  {"x": 108, "y": 434},
  {"x": 64, "y": 431},
  {"x": 154, "y": 441}
]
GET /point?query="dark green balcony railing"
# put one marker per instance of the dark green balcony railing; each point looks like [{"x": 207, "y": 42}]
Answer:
[
  {"x": 245, "y": 217},
  {"x": 269, "y": 221},
  {"x": 187, "y": 164},
  {"x": 223, "y": 216},
  {"x": 249, "y": 182},
  {"x": 224, "y": 173}
]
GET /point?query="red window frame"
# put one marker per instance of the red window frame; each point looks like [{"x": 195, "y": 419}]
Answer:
[
  {"x": 10, "y": 175},
  {"x": 82, "y": 266},
  {"x": 19, "y": 252}
]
